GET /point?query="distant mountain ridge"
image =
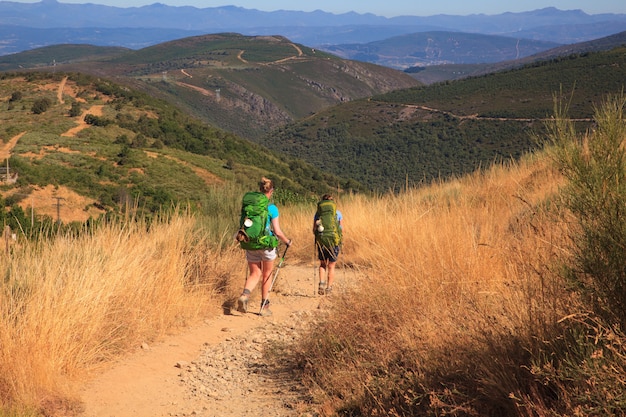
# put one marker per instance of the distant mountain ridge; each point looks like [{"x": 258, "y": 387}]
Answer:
[
  {"x": 22, "y": 38},
  {"x": 436, "y": 48},
  {"x": 137, "y": 27},
  {"x": 51, "y": 13}
]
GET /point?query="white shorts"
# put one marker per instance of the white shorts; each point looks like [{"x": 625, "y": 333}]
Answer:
[{"x": 259, "y": 255}]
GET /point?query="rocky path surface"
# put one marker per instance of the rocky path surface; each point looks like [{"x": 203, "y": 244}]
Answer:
[{"x": 217, "y": 368}]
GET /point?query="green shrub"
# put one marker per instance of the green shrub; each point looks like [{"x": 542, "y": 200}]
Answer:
[
  {"x": 91, "y": 119},
  {"x": 75, "y": 110},
  {"x": 16, "y": 96},
  {"x": 41, "y": 105},
  {"x": 595, "y": 166}
]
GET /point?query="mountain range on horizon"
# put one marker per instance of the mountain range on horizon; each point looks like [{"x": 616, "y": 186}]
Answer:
[{"x": 25, "y": 26}]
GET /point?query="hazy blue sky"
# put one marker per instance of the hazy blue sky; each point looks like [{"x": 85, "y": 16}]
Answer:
[{"x": 387, "y": 7}]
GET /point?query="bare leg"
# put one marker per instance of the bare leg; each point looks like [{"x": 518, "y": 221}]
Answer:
[
  {"x": 267, "y": 267},
  {"x": 322, "y": 274},
  {"x": 322, "y": 271},
  {"x": 254, "y": 276},
  {"x": 331, "y": 273},
  {"x": 253, "y": 279}
]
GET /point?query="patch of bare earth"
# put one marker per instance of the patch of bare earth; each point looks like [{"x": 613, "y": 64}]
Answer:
[
  {"x": 60, "y": 203},
  {"x": 47, "y": 149}
]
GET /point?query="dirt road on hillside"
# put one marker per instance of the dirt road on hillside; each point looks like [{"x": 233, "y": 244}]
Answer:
[{"x": 218, "y": 368}]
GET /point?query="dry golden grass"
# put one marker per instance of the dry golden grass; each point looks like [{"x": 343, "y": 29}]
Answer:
[
  {"x": 457, "y": 295},
  {"x": 71, "y": 304},
  {"x": 458, "y": 283}
]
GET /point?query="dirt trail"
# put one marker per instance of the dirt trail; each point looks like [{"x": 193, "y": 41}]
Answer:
[
  {"x": 201, "y": 90},
  {"x": 94, "y": 110},
  {"x": 161, "y": 380},
  {"x": 60, "y": 90},
  {"x": 7, "y": 148},
  {"x": 240, "y": 57}
]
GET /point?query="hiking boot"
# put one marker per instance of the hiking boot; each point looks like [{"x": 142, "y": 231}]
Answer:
[
  {"x": 265, "y": 309},
  {"x": 242, "y": 304},
  {"x": 321, "y": 290},
  {"x": 265, "y": 312}
]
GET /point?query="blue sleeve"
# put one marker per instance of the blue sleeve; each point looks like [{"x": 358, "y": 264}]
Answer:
[{"x": 273, "y": 211}]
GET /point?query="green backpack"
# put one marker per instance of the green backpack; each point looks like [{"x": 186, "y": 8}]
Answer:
[
  {"x": 327, "y": 230},
  {"x": 254, "y": 231}
]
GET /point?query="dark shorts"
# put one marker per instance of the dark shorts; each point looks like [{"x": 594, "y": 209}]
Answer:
[{"x": 327, "y": 254}]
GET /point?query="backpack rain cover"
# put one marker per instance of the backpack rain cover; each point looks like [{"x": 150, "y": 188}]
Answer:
[
  {"x": 253, "y": 231},
  {"x": 330, "y": 236}
]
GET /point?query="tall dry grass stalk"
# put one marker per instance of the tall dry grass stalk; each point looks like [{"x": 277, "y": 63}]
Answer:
[
  {"x": 72, "y": 303},
  {"x": 459, "y": 283}
]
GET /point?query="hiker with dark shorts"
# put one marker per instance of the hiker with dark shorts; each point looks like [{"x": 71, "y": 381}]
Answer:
[
  {"x": 328, "y": 231},
  {"x": 259, "y": 234}
]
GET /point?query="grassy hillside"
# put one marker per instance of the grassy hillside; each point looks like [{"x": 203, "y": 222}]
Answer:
[
  {"x": 423, "y": 133},
  {"x": 247, "y": 85},
  {"x": 527, "y": 92},
  {"x": 114, "y": 147}
]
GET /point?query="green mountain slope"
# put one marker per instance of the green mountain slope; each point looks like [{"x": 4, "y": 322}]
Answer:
[
  {"x": 248, "y": 85},
  {"x": 133, "y": 149},
  {"x": 424, "y": 133}
]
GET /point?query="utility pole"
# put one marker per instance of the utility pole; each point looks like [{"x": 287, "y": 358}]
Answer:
[{"x": 59, "y": 209}]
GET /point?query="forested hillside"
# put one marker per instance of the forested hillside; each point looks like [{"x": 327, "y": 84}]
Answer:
[{"x": 420, "y": 134}]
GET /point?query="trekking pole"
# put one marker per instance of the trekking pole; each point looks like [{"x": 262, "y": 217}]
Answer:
[
  {"x": 315, "y": 272},
  {"x": 280, "y": 264}
]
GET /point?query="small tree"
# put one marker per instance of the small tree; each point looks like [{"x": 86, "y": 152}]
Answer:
[
  {"x": 122, "y": 140},
  {"x": 94, "y": 120},
  {"x": 140, "y": 141},
  {"x": 15, "y": 96},
  {"x": 41, "y": 105},
  {"x": 75, "y": 110}
]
